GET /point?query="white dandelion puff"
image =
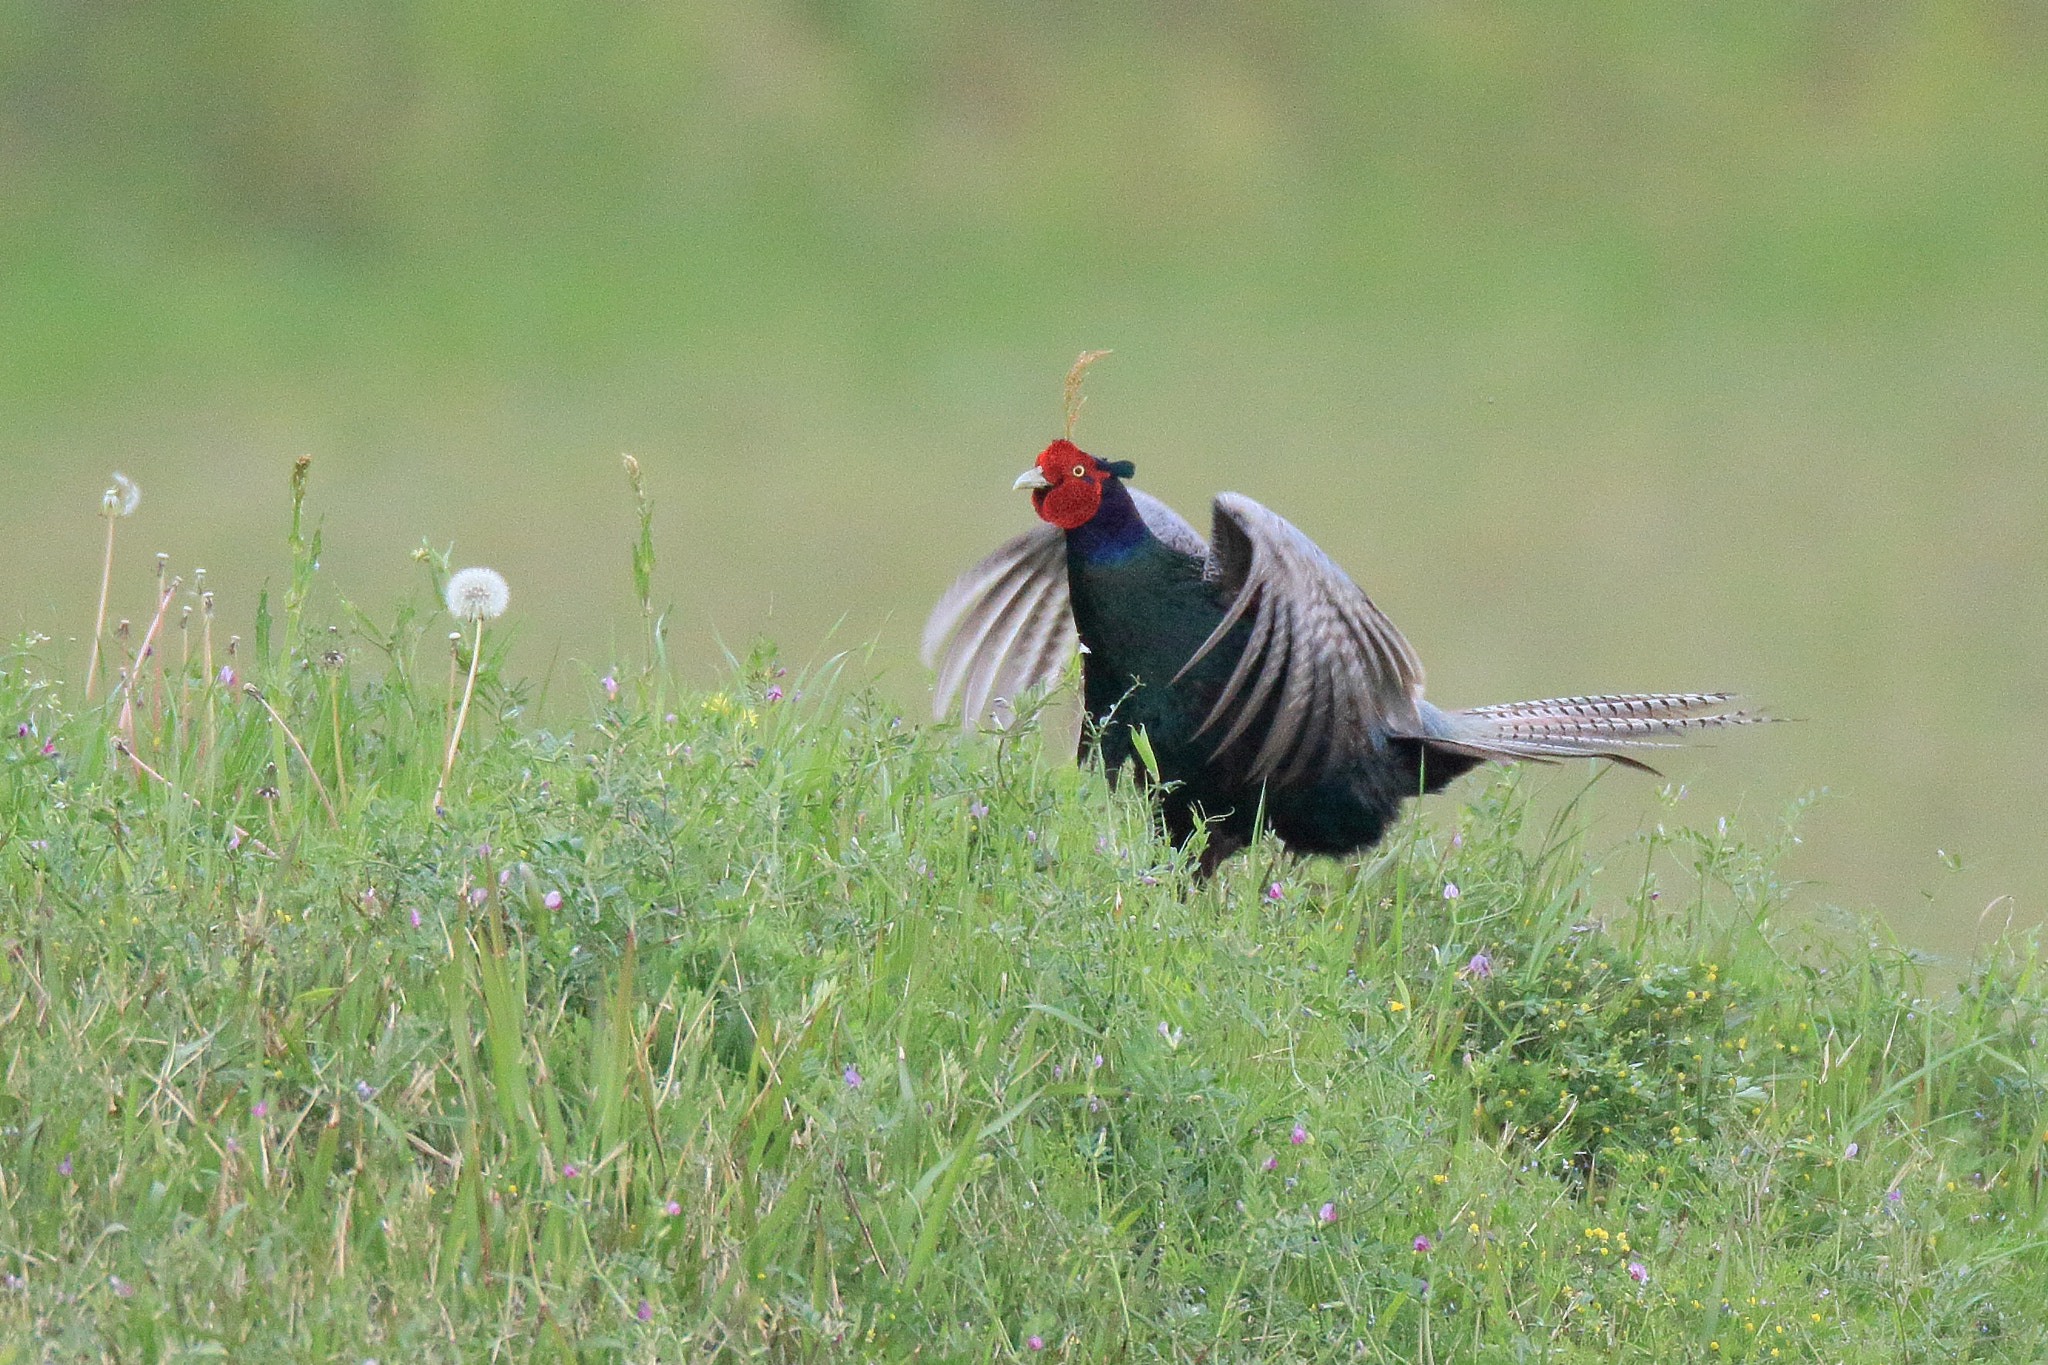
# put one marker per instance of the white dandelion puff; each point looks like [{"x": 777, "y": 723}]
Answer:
[
  {"x": 122, "y": 499},
  {"x": 477, "y": 594},
  {"x": 474, "y": 594}
]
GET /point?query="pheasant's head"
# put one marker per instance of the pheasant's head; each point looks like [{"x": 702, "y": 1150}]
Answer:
[{"x": 1066, "y": 483}]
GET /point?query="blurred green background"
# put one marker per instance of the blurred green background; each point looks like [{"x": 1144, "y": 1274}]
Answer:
[{"x": 1608, "y": 345}]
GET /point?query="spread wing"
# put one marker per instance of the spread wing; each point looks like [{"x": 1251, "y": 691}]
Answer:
[
  {"x": 1322, "y": 663},
  {"x": 1005, "y": 626}
]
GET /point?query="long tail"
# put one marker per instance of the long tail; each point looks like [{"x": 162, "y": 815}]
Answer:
[{"x": 1583, "y": 727}]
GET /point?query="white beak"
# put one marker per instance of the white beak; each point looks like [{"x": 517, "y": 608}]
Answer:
[{"x": 1031, "y": 478}]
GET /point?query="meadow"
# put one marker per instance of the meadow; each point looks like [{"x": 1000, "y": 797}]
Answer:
[
  {"x": 1608, "y": 346},
  {"x": 766, "y": 1021}
]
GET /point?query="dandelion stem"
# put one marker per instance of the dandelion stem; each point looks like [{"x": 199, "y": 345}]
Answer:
[
  {"x": 476, "y": 650},
  {"x": 206, "y": 650},
  {"x": 135, "y": 676},
  {"x": 156, "y": 682},
  {"x": 334, "y": 710},
  {"x": 99, "y": 620},
  {"x": 298, "y": 748}
]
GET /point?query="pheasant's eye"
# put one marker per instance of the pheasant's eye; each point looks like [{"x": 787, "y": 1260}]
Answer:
[{"x": 1080, "y": 471}]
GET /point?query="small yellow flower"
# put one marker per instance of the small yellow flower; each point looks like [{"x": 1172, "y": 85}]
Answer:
[{"x": 1396, "y": 1005}]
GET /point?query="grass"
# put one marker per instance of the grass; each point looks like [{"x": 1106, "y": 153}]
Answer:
[{"x": 766, "y": 1023}]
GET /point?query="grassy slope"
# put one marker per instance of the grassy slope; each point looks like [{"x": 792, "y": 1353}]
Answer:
[{"x": 849, "y": 1036}]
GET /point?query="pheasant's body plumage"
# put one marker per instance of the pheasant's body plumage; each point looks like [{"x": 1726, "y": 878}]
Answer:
[{"x": 1266, "y": 683}]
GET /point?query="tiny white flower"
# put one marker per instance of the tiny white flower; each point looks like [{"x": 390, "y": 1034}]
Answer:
[{"x": 477, "y": 594}]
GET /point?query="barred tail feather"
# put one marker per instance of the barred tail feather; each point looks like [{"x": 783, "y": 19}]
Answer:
[{"x": 1587, "y": 727}]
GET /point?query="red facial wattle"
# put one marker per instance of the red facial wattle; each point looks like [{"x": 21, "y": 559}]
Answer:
[{"x": 1073, "y": 485}]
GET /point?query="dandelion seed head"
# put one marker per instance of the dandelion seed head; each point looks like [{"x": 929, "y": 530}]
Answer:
[
  {"x": 477, "y": 594},
  {"x": 122, "y": 499}
]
